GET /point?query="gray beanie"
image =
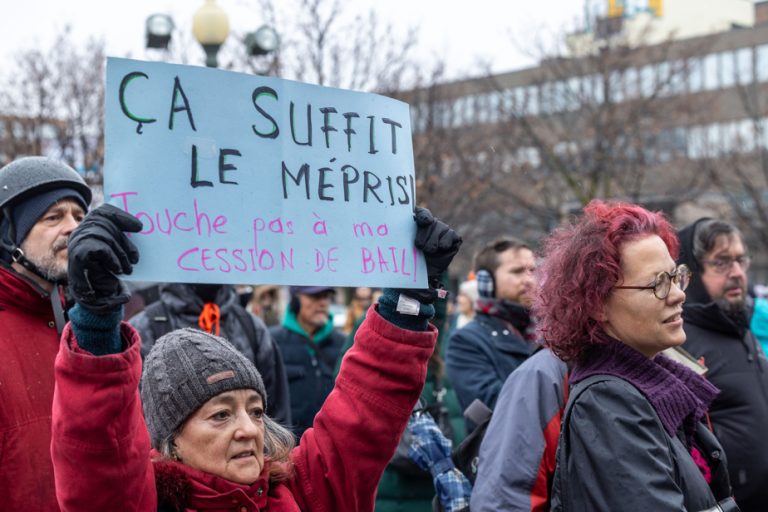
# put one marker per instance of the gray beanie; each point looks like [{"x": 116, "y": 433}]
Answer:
[{"x": 185, "y": 369}]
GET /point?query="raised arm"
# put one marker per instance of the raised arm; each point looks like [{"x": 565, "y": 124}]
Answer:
[
  {"x": 100, "y": 446},
  {"x": 340, "y": 460}
]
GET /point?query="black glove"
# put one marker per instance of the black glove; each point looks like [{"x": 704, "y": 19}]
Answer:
[
  {"x": 440, "y": 244},
  {"x": 98, "y": 250}
]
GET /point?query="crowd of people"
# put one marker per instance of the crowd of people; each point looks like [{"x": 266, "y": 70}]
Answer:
[{"x": 618, "y": 365}]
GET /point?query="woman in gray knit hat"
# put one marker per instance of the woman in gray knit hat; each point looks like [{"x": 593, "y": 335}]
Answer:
[{"x": 197, "y": 437}]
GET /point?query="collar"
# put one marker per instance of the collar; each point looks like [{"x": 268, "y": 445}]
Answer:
[
  {"x": 19, "y": 291},
  {"x": 180, "y": 487},
  {"x": 291, "y": 323},
  {"x": 511, "y": 312},
  {"x": 678, "y": 395}
]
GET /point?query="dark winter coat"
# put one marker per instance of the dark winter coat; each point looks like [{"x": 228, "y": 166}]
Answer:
[
  {"x": 28, "y": 345},
  {"x": 182, "y": 308},
  {"x": 615, "y": 454},
  {"x": 310, "y": 372},
  {"x": 481, "y": 355},
  {"x": 739, "y": 368}
]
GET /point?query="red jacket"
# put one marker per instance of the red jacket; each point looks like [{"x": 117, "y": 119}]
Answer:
[
  {"x": 101, "y": 448},
  {"x": 28, "y": 346}
]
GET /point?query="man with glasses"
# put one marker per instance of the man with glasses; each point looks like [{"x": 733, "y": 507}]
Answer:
[{"x": 716, "y": 315}]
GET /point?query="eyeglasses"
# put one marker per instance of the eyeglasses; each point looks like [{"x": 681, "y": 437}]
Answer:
[
  {"x": 724, "y": 265},
  {"x": 681, "y": 276}
]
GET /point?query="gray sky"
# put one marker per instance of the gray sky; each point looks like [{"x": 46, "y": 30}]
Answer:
[{"x": 459, "y": 31}]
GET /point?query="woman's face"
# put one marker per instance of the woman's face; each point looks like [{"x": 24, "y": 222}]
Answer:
[
  {"x": 225, "y": 437},
  {"x": 637, "y": 317}
]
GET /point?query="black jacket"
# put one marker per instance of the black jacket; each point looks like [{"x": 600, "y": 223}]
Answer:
[
  {"x": 311, "y": 372},
  {"x": 181, "y": 307},
  {"x": 615, "y": 454},
  {"x": 739, "y": 368},
  {"x": 481, "y": 355}
]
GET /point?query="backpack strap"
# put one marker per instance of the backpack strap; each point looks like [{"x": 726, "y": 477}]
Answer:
[
  {"x": 250, "y": 329},
  {"x": 159, "y": 321}
]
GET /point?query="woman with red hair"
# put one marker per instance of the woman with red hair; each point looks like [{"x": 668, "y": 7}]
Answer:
[{"x": 610, "y": 300}]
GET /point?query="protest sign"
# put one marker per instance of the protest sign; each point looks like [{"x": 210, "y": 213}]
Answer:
[{"x": 247, "y": 179}]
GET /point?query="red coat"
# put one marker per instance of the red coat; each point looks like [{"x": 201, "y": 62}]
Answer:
[
  {"x": 28, "y": 346},
  {"x": 101, "y": 448}
]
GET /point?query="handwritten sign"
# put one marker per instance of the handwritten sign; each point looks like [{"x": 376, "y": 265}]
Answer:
[{"x": 249, "y": 179}]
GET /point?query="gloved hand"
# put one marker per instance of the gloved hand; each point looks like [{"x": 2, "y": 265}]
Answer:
[
  {"x": 431, "y": 451},
  {"x": 440, "y": 244},
  {"x": 99, "y": 250}
]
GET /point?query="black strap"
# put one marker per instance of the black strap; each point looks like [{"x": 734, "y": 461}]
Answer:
[
  {"x": 160, "y": 323},
  {"x": 323, "y": 357},
  {"x": 250, "y": 329}
]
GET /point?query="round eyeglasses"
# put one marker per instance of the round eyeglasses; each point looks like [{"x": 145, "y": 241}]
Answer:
[
  {"x": 681, "y": 276},
  {"x": 723, "y": 266}
]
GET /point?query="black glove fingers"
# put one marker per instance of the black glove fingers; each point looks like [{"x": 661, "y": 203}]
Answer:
[
  {"x": 123, "y": 220},
  {"x": 449, "y": 240},
  {"x": 423, "y": 217},
  {"x": 100, "y": 239}
]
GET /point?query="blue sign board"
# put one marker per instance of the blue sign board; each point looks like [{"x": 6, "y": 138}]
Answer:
[{"x": 247, "y": 179}]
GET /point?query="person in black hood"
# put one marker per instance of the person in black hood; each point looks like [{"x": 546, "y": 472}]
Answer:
[{"x": 716, "y": 315}]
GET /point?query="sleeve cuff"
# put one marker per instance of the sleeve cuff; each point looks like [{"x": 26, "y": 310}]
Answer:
[
  {"x": 98, "y": 334},
  {"x": 388, "y": 309}
]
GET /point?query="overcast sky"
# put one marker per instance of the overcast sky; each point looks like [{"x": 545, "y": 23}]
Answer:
[{"x": 460, "y": 31}]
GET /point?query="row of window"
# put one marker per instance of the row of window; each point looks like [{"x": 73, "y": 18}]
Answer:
[
  {"x": 703, "y": 73},
  {"x": 694, "y": 142}
]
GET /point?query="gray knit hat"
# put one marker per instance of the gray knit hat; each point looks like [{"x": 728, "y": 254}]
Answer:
[{"x": 185, "y": 369}]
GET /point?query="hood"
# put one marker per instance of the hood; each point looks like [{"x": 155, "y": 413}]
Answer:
[
  {"x": 181, "y": 299},
  {"x": 18, "y": 292},
  {"x": 696, "y": 293},
  {"x": 291, "y": 323}
]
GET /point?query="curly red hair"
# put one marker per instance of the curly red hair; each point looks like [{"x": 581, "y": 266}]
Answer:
[{"x": 582, "y": 264}]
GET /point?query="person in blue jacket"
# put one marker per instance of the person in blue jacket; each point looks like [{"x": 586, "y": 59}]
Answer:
[{"x": 481, "y": 355}]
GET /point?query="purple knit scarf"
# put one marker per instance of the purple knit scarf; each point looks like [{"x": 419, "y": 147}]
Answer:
[{"x": 679, "y": 396}]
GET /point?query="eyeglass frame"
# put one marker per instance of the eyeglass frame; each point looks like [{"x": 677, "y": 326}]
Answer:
[
  {"x": 675, "y": 274},
  {"x": 746, "y": 261}
]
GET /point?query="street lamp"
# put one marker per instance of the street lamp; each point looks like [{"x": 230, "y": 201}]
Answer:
[
  {"x": 262, "y": 42},
  {"x": 210, "y": 26},
  {"x": 158, "y": 31}
]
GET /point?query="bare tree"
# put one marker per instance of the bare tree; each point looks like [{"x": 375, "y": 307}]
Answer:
[
  {"x": 737, "y": 163},
  {"x": 516, "y": 152},
  {"x": 323, "y": 43},
  {"x": 52, "y": 103}
]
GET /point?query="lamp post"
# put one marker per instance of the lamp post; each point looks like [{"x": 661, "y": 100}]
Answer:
[
  {"x": 210, "y": 26},
  {"x": 158, "y": 31}
]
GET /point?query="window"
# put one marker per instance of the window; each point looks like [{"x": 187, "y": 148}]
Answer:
[
  {"x": 647, "y": 81},
  {"x": 695, "y": 74},
  {"x": 532, "y": 100},
  {"x": 727, "y": 69},
  {"x": 631, "y": 83},
  {"x": 711, "y": 72},
  {"x": 616, "y": 84},
  {"x": 663, "y": 79},
  {"x": 677, "y": 76},
  {"x": 697, "y": 146},
  {"x": 744, "y": 71},
  {"x": 761, "y": 63}
]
